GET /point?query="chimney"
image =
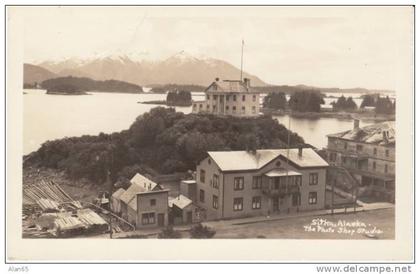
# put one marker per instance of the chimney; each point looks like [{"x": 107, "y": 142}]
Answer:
[
  {"x": 385, "y": 136},
  {"x": 217, "y": 79},
  {"x": 247, "y": 82},
  {"x": 300, "y": 151},
  {"x": 356, "y": 124}
]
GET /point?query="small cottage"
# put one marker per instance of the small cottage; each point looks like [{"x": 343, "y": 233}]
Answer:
[{"x": 183, "y": 210}]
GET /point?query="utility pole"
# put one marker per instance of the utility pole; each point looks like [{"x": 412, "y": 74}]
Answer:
[
  {"x": 332, "y": 196},
  {"x": 111, "y": 188},
  {"x": 242, "y": 57}
]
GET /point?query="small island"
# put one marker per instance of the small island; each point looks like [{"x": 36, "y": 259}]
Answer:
[
  {"x": 65, "y": 90},
  {"x": 80, "y": 85},
  {"x": 311, "y": 105},
  {"x": 178, "y": 98}
]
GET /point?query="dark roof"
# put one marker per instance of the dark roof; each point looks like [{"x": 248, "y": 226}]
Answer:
[{"x": 380, "y": 134}]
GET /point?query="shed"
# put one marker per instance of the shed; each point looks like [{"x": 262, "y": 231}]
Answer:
[{"x": 183, "y": 210}]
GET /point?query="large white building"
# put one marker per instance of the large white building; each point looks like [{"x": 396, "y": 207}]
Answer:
[
  {"x": 229, "y": 97},
  {"x": 239, "y": 184}
]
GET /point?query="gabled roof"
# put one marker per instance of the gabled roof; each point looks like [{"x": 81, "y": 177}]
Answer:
[
  {"x": 233, "y": 86},
  {"x": 244, "y": 160},
  {"x": 181, "y": 201},
  {"x": 143, "y": 182},
  {"x": 117, "y": 194},
  {"x": 139, "y": 184},
  {"x": 380, "y": 134}
]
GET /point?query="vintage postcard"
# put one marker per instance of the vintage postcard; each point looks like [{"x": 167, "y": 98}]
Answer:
[{"x": 264, "y": 132}]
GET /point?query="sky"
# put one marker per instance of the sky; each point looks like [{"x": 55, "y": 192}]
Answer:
[{"x": 342, "y": 47}]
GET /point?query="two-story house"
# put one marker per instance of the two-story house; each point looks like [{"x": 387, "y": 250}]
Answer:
[
  {"x": 236, "y": 184},
  {"x": 144, "y": 204},
  {"x": 368, "y": 153},
  {"x": 229, "y": 97}
]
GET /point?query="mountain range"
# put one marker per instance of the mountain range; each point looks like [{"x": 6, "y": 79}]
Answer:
[
  {"x": 180, "y": 69},
  {"x": 35, "y": 74}
]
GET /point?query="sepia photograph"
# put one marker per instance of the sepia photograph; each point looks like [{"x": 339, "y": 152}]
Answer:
[{"x": 214, "y": 122}]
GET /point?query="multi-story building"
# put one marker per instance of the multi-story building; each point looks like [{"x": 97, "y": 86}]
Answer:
[
  {"x": 368, "y": 153},
  {"x": 235, "y": 184},
  {"x": 229, "y": 97},
  {"x": 144, "y": 204}
]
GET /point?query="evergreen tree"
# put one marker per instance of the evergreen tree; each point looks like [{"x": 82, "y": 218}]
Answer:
[
  {"x": 306, "y": 101},
  {"x": 275, "y": 100}
]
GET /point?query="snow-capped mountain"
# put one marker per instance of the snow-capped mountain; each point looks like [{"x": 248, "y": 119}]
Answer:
[{"x": 181, "y": 68}]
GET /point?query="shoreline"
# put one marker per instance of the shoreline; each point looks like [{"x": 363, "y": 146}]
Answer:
[
  {"x": 66, "y": 93},
  {"x": 163, "y": 102},
  {"x": 338, "y": 115}
]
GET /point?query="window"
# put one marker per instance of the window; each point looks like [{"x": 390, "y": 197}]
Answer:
[
  {"x": 208, "y": 97},
  {"x": 386, "y": 168},
  {"x": 374, "y": 165},
  {"x": 238, "y": 204},
  {"x": 215, "y": 202},
  {"x": 387, "y": 153},
  {"x": 313, "y": 178},
  {"x": 234, "y": 97},
  {"x": 276, "y": 183},
  {"x": 233, "y": 109},
  {"x": 375, "y": 151},
  {"x": 227, "y": 107},
  {"x": 227, "y": 97},
  {"x": 214, "y": 108},
  {"x": 253, "y": 109},
  {"x": 298, "y": 180},
  {"x": 257, "y": 182},
  {"x": 312, "y": 198},
  {"x": 333, "y": 157},
  {"x": 359, "y": 147},
  {"x": 345, "y": 145},
  {"x": 194, "y": 106},
  {"x": 214, "y": 97},
  {"x": 243, "y": 109},
  {"x": 209, "y": 161},
  {"x": 254, "y": 98},
  {"x": 243, "y": 97},
  {"x": 344, "y": 160},
  {"x": 256, "y": 202},
  {"x": 152, "y": 202},
  {"x": 201, "y": 195},
  {"x": 208, "y": 106},
  {"x": 202, "y": 176},
  {"x": 216, "y": 181},
  {"x": 278, "y": 163},
  {"x": 201, "y": 106},
  {"x": 238, "y": 183},
  {"x": 148, "y": 218}
]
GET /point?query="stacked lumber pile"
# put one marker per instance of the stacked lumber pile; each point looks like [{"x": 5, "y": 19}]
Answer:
[
  {"x": 92, "y": 221},
  {"x": 44, "y": 190},
  {"x": 48, "y": 205},
  {"x": 67, "y": 227}
]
